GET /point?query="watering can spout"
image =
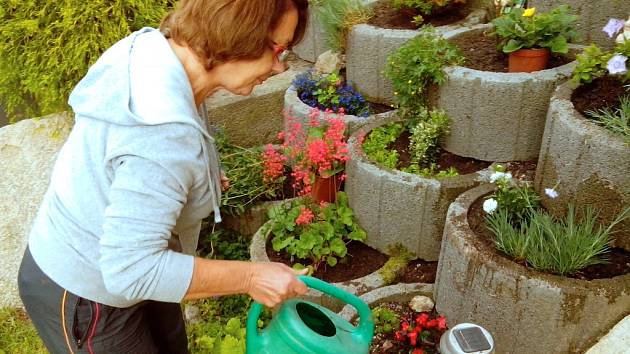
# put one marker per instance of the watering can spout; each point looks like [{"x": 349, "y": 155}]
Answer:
[{"x": 303, "y": 327}]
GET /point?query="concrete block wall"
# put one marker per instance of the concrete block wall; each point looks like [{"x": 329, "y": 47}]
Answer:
[
  {"x": 397, "y": 207},
  {"x": 496, "y": 116},
  {"x": 585, "y": 163},
  {"x": 526, "y": 311}
]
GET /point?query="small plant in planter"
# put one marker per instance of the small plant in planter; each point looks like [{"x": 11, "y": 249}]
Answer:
[
  {"x": 315, "y": 234},
  {"x": 528, "y": 234},
  {"x": 406, "y": 330},
  {"x": 418, "y": 64},
  {"x": 316, "y": 155},
  {"x": 330, "y": 92},
  {"x": 530, "y": 38},
  {"x": 338, "y": 17},
  {"x": 426, "y": 7},
  {"x": 425, "y": 132},
  {"x": 596, "y": 67}
]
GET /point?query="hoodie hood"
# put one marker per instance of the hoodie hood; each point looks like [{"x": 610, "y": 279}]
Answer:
[{"x": 146, "y": 85}]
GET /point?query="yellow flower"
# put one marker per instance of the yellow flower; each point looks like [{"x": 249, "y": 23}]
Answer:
[{"x": 529, "y": 12}]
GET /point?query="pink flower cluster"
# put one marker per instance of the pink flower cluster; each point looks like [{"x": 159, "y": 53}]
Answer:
[
  {"x": 273, "y": 162},
  {"x": 318, "y": 148},
  {"x": 305, "y": 217}
]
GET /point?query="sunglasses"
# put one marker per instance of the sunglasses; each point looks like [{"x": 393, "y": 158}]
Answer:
[{"x": 280, "y": 52}]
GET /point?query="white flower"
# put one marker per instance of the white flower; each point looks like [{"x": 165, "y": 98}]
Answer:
[
  {"x": 490, "y": 205},
  {"x": 613, "y": 27},
  {"x": 617, "y": 64},
  {"x": 551, "y": 193},
  {"x": 499, "y": 175}
]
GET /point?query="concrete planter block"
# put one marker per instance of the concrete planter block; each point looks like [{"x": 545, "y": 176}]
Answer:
[
  {"x": 587, "y": 164},
  {"x": 258, "y": 253},
  {"x": 398, "y": 207},
  {"x": 526, "y": 311},
  {"x": 593, "y": 16},
  {"x": 301, "y": 111},
  {"x": 250, "y": 221},
  {"x": 369, "y": 46},
  {"x": 314, "y": 42},
  {"x": 400, "y": 293},
  {"x": 496, "y": 116}
]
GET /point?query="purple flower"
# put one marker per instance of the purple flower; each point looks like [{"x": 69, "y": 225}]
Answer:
[
  {"x": 613, "y": 27},
  {"x": 617, "y": 64}
]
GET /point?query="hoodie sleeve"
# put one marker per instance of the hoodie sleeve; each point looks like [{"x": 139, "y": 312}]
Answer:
[{"x": 145, "y": 201}]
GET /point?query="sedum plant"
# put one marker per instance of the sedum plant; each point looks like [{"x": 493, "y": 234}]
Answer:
[
  {"x": 418, "y": 64},
  {"x": 315, "y": 233},
  {"x": 337, "y": 18},
  {"x": 47, "y": 46}
]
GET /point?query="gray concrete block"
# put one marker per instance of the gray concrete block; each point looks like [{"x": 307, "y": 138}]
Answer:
[
  {"x": 314, "y": 42},
  {"x": 526, "y": 311},
  {"x": 369, "y": 46},
  {"x": 251, "y": 220},
  {"x": 398, "y": 207},
  {"x": 300, "y": 112},
  {"x": 256, "y": 119},
  {"x": 400, "y": 293},
  {"x": 593, "y": 16},
  {"x": 586, "y": 163},
  {"x": 258, "y": 253},
  {"x": 496, "y": 116}
]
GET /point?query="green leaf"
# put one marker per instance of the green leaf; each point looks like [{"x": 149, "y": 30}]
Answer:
[
  {"x": 559, "y": 45},
  {"x": 512, "y": 46},
  {"x": 338, "y": 247},
  {"x": 280, "y": 243},
  {"x": 332, "y": 261},
  {"x": 357, "y": 235}
]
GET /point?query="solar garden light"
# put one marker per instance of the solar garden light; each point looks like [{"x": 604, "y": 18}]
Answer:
[{"x": 467, "y": 338}]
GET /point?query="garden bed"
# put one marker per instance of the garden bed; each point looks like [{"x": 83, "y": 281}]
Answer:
[
  {"x": 526, "y": 311},
  {"x": 369, "y": 46},
  {"x": 588, "y": 164},
  {"x": 386, "y": 16},
  {"x": 477, "y": 103},
  {"x": 356, "y": 285},
  {"x": 396, "y": 207}
]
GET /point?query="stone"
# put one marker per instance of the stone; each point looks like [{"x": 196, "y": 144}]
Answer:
[
  {"x": 421, "y": 303},
  {"x": 525, "y": 311},
  {"x": 191, "y": 314},
  {"x": 617, "y": 341},
  {"x": 28, "y": 150},
  {"x": 256, "y": 119},
  {"x": 329, "y": 62},
  {"x": 314, "y": 42}
]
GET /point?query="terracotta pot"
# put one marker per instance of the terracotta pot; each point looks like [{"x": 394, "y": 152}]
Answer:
[
  {"x": 529, "y": 60},
  {"x": 325, "y": 189}
]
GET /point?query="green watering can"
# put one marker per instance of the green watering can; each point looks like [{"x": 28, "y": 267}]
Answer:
[{"x": 303, "y": 327}]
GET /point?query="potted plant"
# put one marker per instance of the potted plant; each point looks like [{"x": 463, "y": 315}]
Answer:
[
  {"x": 323, "y": 237},
  {"x": 316, "y": 153},
  {"x": 530, "y": 38},
  {"x": 535, "y": 281},
  {"x": 585, "y": 146}
]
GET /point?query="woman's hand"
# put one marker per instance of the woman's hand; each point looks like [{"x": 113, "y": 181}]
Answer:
[
  {"x": 272, "y": 283},
  {"x": 225, "y": 182}
]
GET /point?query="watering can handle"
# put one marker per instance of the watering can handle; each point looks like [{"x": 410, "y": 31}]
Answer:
[{"x": 365, "y": 329}]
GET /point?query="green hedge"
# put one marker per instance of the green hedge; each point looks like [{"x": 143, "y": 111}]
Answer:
[{"x": 46, "y": 46}]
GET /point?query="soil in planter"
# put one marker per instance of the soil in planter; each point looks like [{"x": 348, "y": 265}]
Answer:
[
  {"x": 481, "y": 53},
  {"x": 522, "y": 170},
  {"x": 445, "y": 160},
  {"x": 619, "y": 259},
  {"x": 386, "y": 16},
  {"x": 601, "y": 93},
  {"x": 419, "y": 271},
  {"x": 360, "y": 261}
]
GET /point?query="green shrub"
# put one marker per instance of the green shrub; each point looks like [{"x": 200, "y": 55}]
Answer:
[
  {"x": 385, "y": 320},
  {"x": 615, "y": 120},
  {"x": 375, "y": 146},
  {"x": 418, "y": 64},
  {"x": 47, "y": 46},
  {"x": 337, "y": 18},
  {"x": 552, "y": 245},
  {"x": 592, "y": 62}
]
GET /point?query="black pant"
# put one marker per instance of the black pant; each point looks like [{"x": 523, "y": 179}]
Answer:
[{"x": 68, "y": 323}]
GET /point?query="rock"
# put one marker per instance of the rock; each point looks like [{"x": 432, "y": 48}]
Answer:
[
  {"x": 191, "y": 314},
  {"x": 421, "y": 303},
  {"x": 27, "y": 152},
  {"x": 329, "y": 62},
  {"x": 614, "y": 342}
]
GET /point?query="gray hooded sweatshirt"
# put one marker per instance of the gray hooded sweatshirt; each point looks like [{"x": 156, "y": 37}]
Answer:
[{"x": 138, "y": 172}]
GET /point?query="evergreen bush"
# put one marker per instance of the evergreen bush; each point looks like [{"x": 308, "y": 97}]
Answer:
[{"x": 48, "y": 46}]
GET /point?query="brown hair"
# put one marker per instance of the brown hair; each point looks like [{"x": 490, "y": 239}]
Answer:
[{"x": 222, "y": 30}]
